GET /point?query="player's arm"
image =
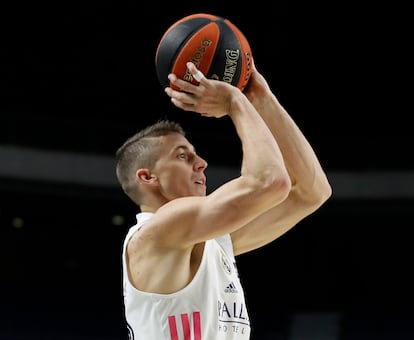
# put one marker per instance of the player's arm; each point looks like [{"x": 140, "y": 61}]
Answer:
[
  {"x": 263, "y": 182},
  {"x": 310, "y": 186}
]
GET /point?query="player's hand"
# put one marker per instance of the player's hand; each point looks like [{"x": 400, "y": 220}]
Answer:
[
  {"x": 210, "y": 98},
  {"x": 257, "y": 89}
]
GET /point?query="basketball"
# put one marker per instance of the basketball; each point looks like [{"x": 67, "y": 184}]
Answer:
[{"x": 214, "y": 44}]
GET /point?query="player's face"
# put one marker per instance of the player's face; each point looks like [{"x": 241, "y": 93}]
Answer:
[{"x": 180, "y": 171}]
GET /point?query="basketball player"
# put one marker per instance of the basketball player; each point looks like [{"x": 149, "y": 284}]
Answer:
[{"x": 180, "y": 277}]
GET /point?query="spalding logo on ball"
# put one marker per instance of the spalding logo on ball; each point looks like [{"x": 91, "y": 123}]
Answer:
[{"x": 214, "y": 44}]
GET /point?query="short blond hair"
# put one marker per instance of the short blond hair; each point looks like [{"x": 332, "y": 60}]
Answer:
[{"x": 140, "y": 151}]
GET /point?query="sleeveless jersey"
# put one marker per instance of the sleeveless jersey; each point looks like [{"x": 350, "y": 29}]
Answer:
[{"x": 211, "y": 307}]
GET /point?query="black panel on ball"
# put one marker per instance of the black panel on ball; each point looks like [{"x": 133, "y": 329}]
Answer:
[
  {"x": 227, "y": 62},
  {"x": 171, "y": 44}
]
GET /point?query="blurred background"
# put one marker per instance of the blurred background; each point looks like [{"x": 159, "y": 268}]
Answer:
[{"x": 78, "y": 78}]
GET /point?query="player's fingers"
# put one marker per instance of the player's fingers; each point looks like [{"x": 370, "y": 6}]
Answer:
[
  {"x": 183, "y": 85},
  {"x": 197, "y": 74}
]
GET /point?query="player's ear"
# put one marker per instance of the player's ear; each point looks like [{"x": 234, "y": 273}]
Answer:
[{"x": 145, "y": 176}]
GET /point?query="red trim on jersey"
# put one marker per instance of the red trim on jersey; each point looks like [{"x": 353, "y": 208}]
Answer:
[
  {"x": 185, "y": 323},
  {"x": 173, "y": 327},
  {"x": 186, "y": 326},
  {"x": 197, "y": 326}
]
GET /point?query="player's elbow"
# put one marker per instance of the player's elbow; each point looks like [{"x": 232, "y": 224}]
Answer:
[
  {"x": 315, "y": 195},
  {"x": 322, "y": 189},
  {"x": 270, "y": 184},
  {"x": 278, "y": 186},
  {"x": 324, "y": 192}
]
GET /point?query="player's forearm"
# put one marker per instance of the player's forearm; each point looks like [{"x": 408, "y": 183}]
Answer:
[
  {"x": 300, "y": 159},
  {"x": 262, "y": 158}
]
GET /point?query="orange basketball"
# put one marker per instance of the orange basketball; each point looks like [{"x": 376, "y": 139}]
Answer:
[{"x": 214, "y": 44}]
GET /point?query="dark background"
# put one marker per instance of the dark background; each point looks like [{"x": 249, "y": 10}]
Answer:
[{"x": 77, "y": 78}]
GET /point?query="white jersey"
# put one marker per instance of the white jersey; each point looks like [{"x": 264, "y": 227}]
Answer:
[{"x": 211, "y": 307}]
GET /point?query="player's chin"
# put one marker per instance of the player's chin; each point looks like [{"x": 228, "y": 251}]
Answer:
[{"x": 200, "y": 190}]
